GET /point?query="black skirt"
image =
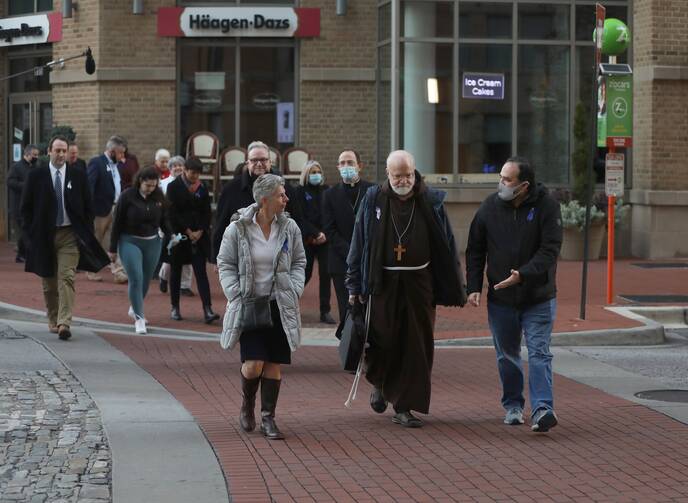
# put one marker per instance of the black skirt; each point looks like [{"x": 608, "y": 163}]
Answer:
[{"x": 266, "y": 344}]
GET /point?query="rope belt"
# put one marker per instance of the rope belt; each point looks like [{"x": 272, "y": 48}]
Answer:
[{"x": 412, "y": 268}]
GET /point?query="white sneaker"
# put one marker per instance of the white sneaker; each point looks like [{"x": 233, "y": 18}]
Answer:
[
  {"x": 132, "y": 314},
  {"x": 140, "y": 326}
]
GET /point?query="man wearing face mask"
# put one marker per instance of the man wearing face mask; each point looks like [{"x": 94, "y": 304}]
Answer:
[
  {"x": 15, "y": 182},
  {"x": 238, "y": 193},
  {"x": 105, "y": 181},
  {"x": 402, "y": 263},
  {"x": 339, "y": 206},
  {"x": 517, "y": 231}
]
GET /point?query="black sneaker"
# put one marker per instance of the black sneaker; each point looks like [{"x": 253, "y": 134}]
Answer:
[
  {"x": 163, "y": 285},
  {"x": 543, "y": 420},
  {"x": 407, "y": 420},
  {"x": 327, "y": 319}
]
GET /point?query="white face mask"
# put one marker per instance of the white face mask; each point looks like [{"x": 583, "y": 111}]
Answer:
[
  {"x": 402, "y": 191},
  {"x": 507, "y": 193}
]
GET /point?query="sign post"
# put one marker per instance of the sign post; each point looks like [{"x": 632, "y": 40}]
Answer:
[{"x": 613, "y": 188}]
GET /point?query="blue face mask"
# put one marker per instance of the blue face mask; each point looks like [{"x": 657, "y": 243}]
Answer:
[
  {"x": 348, "y": 173},
  {"x": 315, "y": 179}
]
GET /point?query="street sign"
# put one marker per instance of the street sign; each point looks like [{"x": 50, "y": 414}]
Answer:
[
  {"x": 600, "y": 13},
  {"x": 614, "y": 175},
  {"x": 619, "y": 110}
]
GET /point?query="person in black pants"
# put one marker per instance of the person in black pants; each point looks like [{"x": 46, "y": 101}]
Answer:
[
  {"x": 310, "y": 193},
  {"x": 189, "y": 215},
  {"x": 339, "y": 206}
]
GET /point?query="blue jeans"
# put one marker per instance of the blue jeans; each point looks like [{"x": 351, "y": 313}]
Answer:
[
  {"x": 139, "y": 257},
  {"x": 535, "y": 322}
]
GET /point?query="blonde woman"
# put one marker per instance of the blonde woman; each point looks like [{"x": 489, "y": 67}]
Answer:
[{"x": 310, "y": 194}]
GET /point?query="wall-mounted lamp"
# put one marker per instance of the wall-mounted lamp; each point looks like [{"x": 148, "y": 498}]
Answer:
[
  {"x": 433, "y": 92},
  {"x": 137, "y": 8},
  {"x": 67, "y": 8},
  {"x": 341, "y": 7}
]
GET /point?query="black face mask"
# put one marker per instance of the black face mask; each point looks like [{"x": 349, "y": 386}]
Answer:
[{"x": 34, "y": 161}]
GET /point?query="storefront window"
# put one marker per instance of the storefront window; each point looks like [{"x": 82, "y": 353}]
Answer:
[
  {"x": 427, "y": 105},
  {"x": 32, "y": 81},
  {"x": 238, "y": 111},
  {"x": 543, "y": 22},
  {"x": 485, "y": 20},
  {"x": 533, "y": 54},
  {"x": 485, "y": 124},
  {"x": 16, "y": 7},
  {"x": 543, "y": 109},
  {"x": 427, "y": 19},
  {"x": 207, "y": 91},
  {"x": 267, "y": 79}
]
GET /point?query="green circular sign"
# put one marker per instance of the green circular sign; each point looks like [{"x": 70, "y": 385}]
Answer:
[{"x": 615, "y": 38}]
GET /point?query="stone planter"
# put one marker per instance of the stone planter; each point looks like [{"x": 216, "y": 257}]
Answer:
[{"x": 572, "y": 246}]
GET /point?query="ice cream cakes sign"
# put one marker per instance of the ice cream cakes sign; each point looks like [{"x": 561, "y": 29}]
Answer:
[{"x": 283, "y": 22}]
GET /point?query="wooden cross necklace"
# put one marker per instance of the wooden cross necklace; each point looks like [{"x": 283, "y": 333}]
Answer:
[{"x": 400, "y": 249}]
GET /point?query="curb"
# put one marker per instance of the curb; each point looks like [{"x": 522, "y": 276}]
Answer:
[{"x": 652, "y": 333}]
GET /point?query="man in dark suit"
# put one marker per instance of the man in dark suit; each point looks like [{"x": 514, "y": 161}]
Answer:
[
  {"x": 106, "y": 185},
  {"x": 57, "y": 219},
  {"x": 15, "y": 183},
  {"x": 238, "y": 193},
  {"x": 339, "y": 206},
  {"x": 73, "y": 158}
]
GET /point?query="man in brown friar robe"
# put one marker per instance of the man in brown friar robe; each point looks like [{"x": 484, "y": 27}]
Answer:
[{"x": 403, "y": 261}]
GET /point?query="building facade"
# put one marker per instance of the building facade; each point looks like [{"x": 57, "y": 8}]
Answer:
[{"x": 461, "y": 84}]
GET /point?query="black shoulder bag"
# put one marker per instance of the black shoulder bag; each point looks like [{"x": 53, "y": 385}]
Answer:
[{"x": 257, "y": 311}]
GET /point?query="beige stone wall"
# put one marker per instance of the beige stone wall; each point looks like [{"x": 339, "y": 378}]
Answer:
[{"x": 337, "y": 90}]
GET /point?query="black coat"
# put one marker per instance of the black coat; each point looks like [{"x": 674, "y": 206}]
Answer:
[
  {"x": 188, "y": 211},
  {"x": 237, "y": 194},
  {"x": 15, "y": 183},
  {"x": 526, "y": 239},
  {"x": 39, "y": 211},
  {"x": 102, "y": 185},
  {"x": 310, "y": 199},
  {"x": 338, "y": 222},
  {"x": 79, "y": 164}
]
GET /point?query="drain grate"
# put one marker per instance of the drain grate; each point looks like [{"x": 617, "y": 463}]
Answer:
[
  {"x": 665, "y": 395},
  {"x": 662, "y": 265},
  {"x": 655, "y": 299}
]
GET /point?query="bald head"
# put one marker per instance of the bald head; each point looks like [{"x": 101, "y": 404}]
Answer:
[{"x": 401, "y": 172}]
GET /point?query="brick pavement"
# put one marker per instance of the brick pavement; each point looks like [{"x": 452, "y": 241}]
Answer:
[
  {"x": 605, "y": 449},
  {"x": 108, "y": 301}
]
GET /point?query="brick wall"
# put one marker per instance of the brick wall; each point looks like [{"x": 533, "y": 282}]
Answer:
[
  {"x": 338, "y": 114},
  {"x": 661, "y": 106}
]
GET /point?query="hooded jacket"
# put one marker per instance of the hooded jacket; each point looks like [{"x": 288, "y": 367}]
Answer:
[
  {"x": 526, "y": 239},
  {"x": 448, "y": 282},
  {"x": 235, "y": 266}
]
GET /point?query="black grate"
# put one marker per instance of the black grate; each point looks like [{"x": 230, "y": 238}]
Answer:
[
  {"x": 662, "y": 265},
  {"x": 655, "y": 299},
  {"x": 665, "y": 395}
]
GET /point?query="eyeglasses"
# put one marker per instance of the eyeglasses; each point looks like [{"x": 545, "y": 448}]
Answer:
[{"x": 259, "y": 160}]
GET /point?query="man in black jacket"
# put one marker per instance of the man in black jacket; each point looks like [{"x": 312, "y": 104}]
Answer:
[
  {"x": 238, "y": 193},
  {"x": 339, "y": 207},
  {"x": 518, "y": 232},
  {"x": 15, "y": 182},
  {"x": 57, "y": 217}
]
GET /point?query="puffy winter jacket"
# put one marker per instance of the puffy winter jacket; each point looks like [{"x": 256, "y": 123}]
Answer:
[{"x": 236, "y": 275}]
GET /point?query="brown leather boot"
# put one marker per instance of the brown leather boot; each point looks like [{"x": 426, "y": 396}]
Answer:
[
  {"x": 247, "y": 416},
  {"x": 269, "y": 391}
]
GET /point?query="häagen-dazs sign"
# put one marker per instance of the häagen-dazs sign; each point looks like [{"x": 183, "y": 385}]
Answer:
[
  {"x": 36, "y": 29},
  {"x": 238, "y": 22},
  {"x": 483, "y": 86}
]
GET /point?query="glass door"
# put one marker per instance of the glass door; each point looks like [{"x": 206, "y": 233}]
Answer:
[{"x": 30, "y": 122}]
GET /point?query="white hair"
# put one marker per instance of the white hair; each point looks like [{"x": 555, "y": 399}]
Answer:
[
  {"x": 265, "y": 186},
  {"x": 401, "y": 155},
  {"x": 162, "y": 152},
  {"x": 177, "y": 160},
  {"x": 257, "y": 144}
]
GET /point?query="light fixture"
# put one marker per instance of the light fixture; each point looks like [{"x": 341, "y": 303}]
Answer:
[
  {"x": 67, "y": 8},
  {"x": 341, "y": 7},
  {"x": 137, "y": 8},
  {"x": 433, "y": 92}
]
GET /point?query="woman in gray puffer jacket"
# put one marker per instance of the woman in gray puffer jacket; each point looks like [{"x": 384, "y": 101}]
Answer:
[{"x": 262, "y": 254}]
